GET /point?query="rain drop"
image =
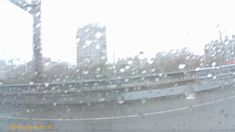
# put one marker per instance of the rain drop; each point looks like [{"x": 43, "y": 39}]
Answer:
[
  {"x": 68, "y": 110},
  {"x": 31, "y": 83},
  {"x": 122, "y": 70},
  {"x": 197, "y": 69},
  {"x": 46, "y": 84},
  {"x": 97, "y": 47},
  {"x": 189, "y": 96},
  {"x": 120, "y": 101},
  {"x": 130, "y": 62},
  {"x": 213, "y": 64},
  {"x": 98, "y": 35},
  {"x": 181, "y": 66},
  {"x": 153, "y": 70},
  {"x": 54, "y": 104},
  {"x": 88, "y": 42},
  {"x": 127, "y": 67},
  {"x": 156, "y": 79},
  {"x": 150, "y": 61},
  {"x": 144, "y": 71},
  {"x": 84, "y": 72},
  {"x": 65, "y": 91},
  {"x": 101, "y": 99},
  {"x": 98, "y": 69},
  {"x": 141, "y": 56},
  {"x": 209, "y": 75}
]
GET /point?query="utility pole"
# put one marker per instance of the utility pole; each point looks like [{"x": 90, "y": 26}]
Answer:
[
  {"x": 220, "y": 34},
  {"x": 34, "y": 8}
]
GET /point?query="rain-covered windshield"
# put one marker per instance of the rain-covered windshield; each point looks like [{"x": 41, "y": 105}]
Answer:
[{"x": 116, "y": 65}]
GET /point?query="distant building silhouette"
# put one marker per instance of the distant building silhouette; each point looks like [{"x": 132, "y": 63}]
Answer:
[
  {"x": 91, "y": 45},
  {"x": 220, "y": 52}
]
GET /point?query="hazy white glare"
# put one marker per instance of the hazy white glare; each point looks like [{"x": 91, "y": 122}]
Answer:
[{"x": 149, "y": 26}]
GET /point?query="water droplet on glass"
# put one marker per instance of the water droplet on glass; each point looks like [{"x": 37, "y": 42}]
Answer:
[
  {"x": 120, "y": 101},
  {"x": 213, "y": 64},
  {"x": 153, "y": 70},
  {"x": 144, "y": 71},
  {"x": 127, "y": 67},
  {"x": 141, "y": 56},
  {"x": 189, "y": 96},
  {"x": 98, "y": 35},
  {"x": 122, "y": 70},
  {"x": 150, "y": 61},
  {"x": 65, "y": 91},
  {"x": 209, "y": 75},
  {"x": 84, "y": 72},
  {"x": 77, "y": 70},
  {"x": 68, "y": 110},
  {"x": 187, "y": 58},
  {"x": 31, "y": 83},
  {"x": 181, "y": 66},
  {"x": 101, "y": 99},
  {"x": 103, "y": 57},
  {"x": 54, "y": 104},
  {"x": 88, "y": 42},
  {"x": 98, "y": 69},
  {"x": 156, "y": 79},
  {"x": 80, "y": 102},
  {"x": 97, "y": 47},
  {"x": 47, "y": 63},
  {"x": 46, "y": 84},
  {"x": 130, "y": 62}
]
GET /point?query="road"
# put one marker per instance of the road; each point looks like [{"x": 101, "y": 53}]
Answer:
[{"x": 202, "y": 111}]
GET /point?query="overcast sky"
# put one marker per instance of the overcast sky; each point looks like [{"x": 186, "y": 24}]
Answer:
[{"x": 131, "y": 25}]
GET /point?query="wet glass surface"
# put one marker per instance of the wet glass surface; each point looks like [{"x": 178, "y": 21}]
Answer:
[{"x": 116, "y": 66}]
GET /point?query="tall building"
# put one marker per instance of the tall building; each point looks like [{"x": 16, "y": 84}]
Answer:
[{"x": 91, "y": 45}]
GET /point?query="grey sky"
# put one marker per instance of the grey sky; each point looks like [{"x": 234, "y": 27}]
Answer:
[{"x": 132, "y": 26}]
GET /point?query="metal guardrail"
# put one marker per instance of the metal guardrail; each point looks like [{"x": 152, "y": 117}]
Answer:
[
  {"x": 121, "y": 80},
  {"x": 78, "y": 92},
  {"x": 180, "y": 75}
]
